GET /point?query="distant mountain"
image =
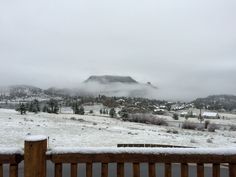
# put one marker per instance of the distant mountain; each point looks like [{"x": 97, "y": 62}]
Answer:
[
  {"x": 107, "y": 79},
  {"x": 217, "y": 102},
  {"x": 20, "y": 91},
  {"x": 58, "y": 92},
  {"x": 108, "y": 85},
  {"x": 112, "y": 85}
]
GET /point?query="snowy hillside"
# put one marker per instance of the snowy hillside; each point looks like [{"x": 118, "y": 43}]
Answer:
[{"x": 71, "y": 130}]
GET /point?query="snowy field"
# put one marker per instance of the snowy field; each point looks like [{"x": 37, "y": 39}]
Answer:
[{"x": 71, "y": 130}]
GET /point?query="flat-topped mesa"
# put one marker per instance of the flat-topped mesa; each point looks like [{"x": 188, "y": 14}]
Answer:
[{"x": 106, "y": 79}]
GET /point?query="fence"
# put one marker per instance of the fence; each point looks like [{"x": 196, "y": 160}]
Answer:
[
  {"x": 36, "y": 155},
  {"x": 152, "y": 145}
]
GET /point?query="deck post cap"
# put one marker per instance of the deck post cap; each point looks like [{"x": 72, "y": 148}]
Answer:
[{"x": 35, "y": 138}]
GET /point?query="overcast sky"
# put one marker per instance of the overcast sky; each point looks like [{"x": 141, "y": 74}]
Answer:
[{"x": 187, "y": 48}]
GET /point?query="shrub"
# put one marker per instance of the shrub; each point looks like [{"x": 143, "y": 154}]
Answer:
[
  {"x": 172, "y": 131},
  {"x": 147, "y": 119},
  {"x": 200, "y": 128},
  {"x": 159, "y": 121},
  {"x": 212, "y": 127},
  {"x": 207, "y": 122},
  {"x": 232, "y": 128},
  {"x": 209, "y": 140},
  {"x": 193, "y": 141},
  {"x": 72, "y": 118},
  {"x": 175, "y": 116},
  {"x": 189, "y": 125}
]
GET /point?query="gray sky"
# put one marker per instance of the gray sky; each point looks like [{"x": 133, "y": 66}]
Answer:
[{"x": 185, "y": 47}]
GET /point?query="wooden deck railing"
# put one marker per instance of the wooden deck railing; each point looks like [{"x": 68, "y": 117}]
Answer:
[
  {"x": 12, "y": 157},
  {"x": 36, "y": 155},
  {"x": 168, "y": 156},
  {"x": 152, "y": 145}
]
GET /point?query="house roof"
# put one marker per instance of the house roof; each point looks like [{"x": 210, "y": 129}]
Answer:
[{"x": 210, "y": 114}]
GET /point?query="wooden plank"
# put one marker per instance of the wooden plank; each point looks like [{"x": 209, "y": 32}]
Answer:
[
  {"x": 139, "y": 158},
  {"x": 151, "y": 170},
  {"x": 58, "y": 170},
  {"x": 216, "y": 170},
  {"x": 167, "y": 169},
  {"x": 13, "y": 170},
  {"x": 73, "y": 170},
  {"x": 120, "y": 170},
  {"x": 11, "y": 158},
  {"x": 200, "y": 170},
  {"x": 104, "y": 170},
  {"x": 232, "y": 170},
  {"x": 89, "y": 170},
  {"x": 136, "y": 170},
  {"x": 1, "y": 170},
  {"x": 184, "y": 170}
]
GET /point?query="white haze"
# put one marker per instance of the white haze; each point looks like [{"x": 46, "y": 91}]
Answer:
[
  {"x": 187, "y": 48},
  {"x": 116, "y": 89}
]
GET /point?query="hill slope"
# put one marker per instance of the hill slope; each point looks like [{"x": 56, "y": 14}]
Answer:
[{"x": 217, "y": 102}]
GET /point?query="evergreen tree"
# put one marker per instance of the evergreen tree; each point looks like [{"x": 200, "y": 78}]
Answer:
[
  {"x": 52, "y": 106},
  {"x": 45, "y": 108},
  {"x": 112, "y": 113},
  {"x": 104, "y": 111},
  {"x": 124, "y": 113},
  {"x": 75, "y": 107},
  {"x": 81, "y": 110},
  {"x": 34, "y": 106},
  {"x": 21, "y": 108}
]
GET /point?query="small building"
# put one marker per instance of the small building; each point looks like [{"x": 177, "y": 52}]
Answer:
[
  {"x": 210, "y": 115},
  {"x": 183, "y": 114},
  {"x": 159, "y": 111},
  {"x": 188, "y": 114}
]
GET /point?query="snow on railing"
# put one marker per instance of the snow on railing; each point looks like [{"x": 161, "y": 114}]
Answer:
[
  {"x": 155, "y": 151},
  {"x": 36, "y": 154},
  {"x": 11, "y": 151}
]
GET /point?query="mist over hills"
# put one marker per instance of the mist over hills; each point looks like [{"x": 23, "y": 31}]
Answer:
[
  {"x": 117, "y": 86},
  {"x": 108, "y": 85},
  {"x": 112, "y": 86}
]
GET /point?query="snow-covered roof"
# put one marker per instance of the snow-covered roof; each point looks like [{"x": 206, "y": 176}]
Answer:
[
  {"x": 184, "y": 113},
  {"x": 210, "y": 114},
  {"x": 159, "y": 110}
]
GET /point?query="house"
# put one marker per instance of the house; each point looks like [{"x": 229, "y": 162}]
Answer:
[
  {"x": 159, "y": 111},
  {"x": 210, "y": 115},
  {"x": 188, "y": 114},
  {"x": 183, "y": 114}
]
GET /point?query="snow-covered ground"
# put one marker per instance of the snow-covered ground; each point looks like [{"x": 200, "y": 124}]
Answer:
[{"x": 71, "y": 130}]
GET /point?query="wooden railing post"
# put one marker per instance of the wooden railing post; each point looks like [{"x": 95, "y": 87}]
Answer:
[{"x": 35, "y": 156}]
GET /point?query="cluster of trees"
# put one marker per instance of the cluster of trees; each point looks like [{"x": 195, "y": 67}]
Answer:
[
  {"x": 104, "y": 111},
  {"x": 124, "y": 113},
  {"x": 51, "y": 106},
  {"x": 33, "y": 106},
  {"x": 111, "y": 112},
  {"x": 77, "y": 108},
  {"x": 216, "y": 102}
]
